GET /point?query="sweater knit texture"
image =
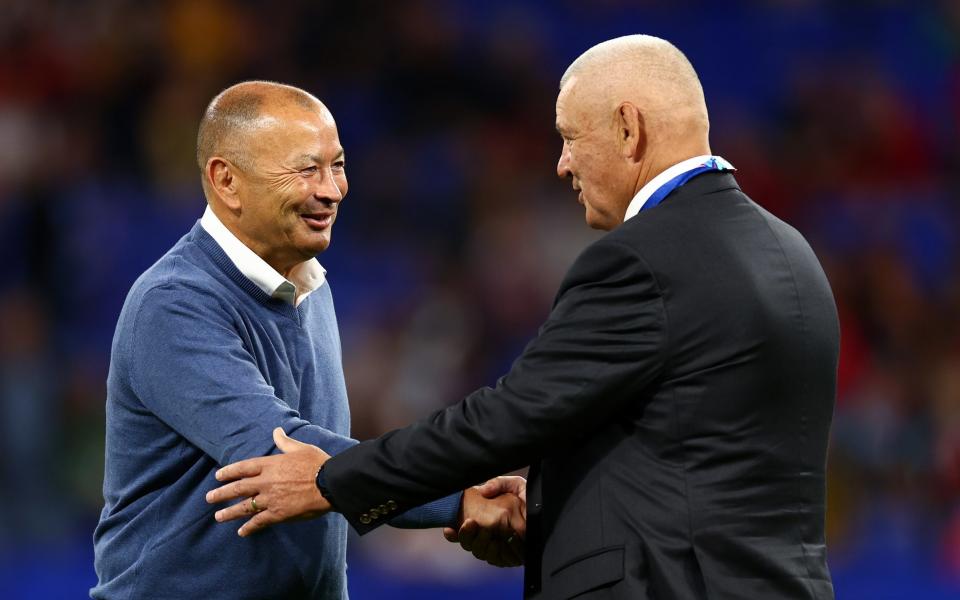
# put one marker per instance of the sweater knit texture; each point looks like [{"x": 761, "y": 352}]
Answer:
[{"x": 203, "y": 366}]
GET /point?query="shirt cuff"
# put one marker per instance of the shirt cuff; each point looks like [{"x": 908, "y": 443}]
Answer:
[{"x": 439, "y": 513}]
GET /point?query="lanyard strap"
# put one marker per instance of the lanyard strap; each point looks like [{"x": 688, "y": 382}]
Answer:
[{"x": 714, "y": 163}]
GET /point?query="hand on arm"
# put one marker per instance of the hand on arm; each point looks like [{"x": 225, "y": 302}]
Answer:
[
  {"x": 273, "y": 489},
  {"x": 493, "y": 521},
  {"x": 189, "y": 365}
]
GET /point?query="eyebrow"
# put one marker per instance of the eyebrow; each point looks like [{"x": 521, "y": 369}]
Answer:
[{"x": 316, "y": 158}]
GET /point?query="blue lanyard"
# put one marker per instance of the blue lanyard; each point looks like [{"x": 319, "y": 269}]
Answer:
[{"x": 714, "y": 163}]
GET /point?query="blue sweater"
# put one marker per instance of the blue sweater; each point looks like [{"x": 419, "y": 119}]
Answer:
[{"x": 203, "y": 366}]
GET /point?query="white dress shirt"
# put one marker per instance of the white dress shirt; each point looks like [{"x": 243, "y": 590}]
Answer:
[
  {"x": 304, "y": 278},
  {"x": 654, "y": 184}
]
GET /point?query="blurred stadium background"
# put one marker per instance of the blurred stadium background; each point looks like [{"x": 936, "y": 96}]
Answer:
[{"x": 842, "y": 117}]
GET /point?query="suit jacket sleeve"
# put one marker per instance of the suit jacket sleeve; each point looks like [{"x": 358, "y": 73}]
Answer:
[
  {"x": 191, "y": 369},
  {"x": 601, "y": 345}
]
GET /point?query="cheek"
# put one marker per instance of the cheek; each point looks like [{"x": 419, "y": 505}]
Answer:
[
  {"x": 592, "y": 177},
  {"x": 601, "y": 195},
  {"x": 291, "y": 190},
  {"x": 590, "y": 167}
]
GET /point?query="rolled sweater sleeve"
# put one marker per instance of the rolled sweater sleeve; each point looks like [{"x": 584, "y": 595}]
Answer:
[{"x": 190, "y": 368}]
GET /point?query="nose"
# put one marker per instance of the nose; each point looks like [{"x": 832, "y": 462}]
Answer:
[
  {"x": 563, "y": 165},
  {"x": 330, "y": 189}
]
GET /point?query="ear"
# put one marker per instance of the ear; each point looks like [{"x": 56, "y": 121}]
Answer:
[
  {"x": 223, "y": 179},
  {"x": 631, "y": 132}
]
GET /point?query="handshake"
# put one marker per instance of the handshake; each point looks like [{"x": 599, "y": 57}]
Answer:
[{"x": 492, "y": 519}]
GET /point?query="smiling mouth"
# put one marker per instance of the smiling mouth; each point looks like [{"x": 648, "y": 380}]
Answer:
[{"x": 318, "y": 221}]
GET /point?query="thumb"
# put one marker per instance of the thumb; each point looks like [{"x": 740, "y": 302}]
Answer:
[
  {"x": 492, "y": 488},
  {"x": 285, "y": 443},
  {"x": 504, "y": 485},
  {"x": 451, "y": 534}
]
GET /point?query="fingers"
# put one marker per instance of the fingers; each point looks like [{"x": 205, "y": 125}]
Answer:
[
  {"x": 496, "y": 551},
  {"x": 468, "y": 533},
  {"x": 241, "y": 509},
  {"x": 286, "y": 443},
  {"x": 259, "y": 521},
  {"x": 518, "y": 521},
  {"x": 514, "y": 551},
  {"x": 237, "y": 489},
  {"x": 245, "y": 468},
  {"x": 501, "y": 552},
  {"x": 481, "y": 545},
  {"x": 492, "y": 547}
]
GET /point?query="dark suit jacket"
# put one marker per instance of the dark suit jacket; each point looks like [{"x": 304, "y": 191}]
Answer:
[{"x": 675, "y": 409}]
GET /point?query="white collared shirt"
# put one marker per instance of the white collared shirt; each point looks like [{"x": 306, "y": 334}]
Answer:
[
  {"x": 654, "y": 184},
  {"x": 305, "y": 278}
]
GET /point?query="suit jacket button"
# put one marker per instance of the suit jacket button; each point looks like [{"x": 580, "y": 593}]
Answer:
[
  {"x": 365, "y": 519},
  {"x": 391, "y": 505},
  {"x": 383, "y": 509},
  {"x": 374, "y": 513}
]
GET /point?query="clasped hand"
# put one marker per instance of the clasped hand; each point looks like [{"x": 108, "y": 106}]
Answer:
[
  {"x": 493, "y": 521},
  {"x": 282, "y": 487}
]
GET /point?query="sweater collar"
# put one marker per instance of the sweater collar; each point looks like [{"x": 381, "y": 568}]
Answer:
[{"x": 305, "y": 278}]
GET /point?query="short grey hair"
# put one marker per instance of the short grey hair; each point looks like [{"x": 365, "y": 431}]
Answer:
[{"x": 236, "y": 110}]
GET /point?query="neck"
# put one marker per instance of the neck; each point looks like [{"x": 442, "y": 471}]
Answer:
[
  {"x": 655, "y": 163},
  {"x": 280, "y": 263}
]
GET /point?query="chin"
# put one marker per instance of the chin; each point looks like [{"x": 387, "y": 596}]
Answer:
[
  {"x": 315, "y": 246},
  {"x": 596, "y": 220}
]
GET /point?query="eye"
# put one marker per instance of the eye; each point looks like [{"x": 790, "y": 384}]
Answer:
[
  {"x": 339, "y": 165},
  {"x": 309, "y": 170}
]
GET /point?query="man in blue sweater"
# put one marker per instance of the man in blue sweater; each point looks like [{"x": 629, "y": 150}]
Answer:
[{"x": 230, "y": 334}]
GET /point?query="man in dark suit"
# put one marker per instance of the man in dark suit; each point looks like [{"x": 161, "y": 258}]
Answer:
[{"x": 676, "y": 405}]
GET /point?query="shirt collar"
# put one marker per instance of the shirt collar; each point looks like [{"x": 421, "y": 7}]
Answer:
[
  {"x": 305, "y": 278},
  {"x": 654, "y": 184}
]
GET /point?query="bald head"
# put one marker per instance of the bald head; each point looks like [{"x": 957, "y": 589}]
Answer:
[
  {"x": 649, "y": 72},
  {"x": 241, "y": 110},
  {"x": 627, "y": 110}
]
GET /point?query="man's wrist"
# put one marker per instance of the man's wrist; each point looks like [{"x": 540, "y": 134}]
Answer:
[{"x": 462, "y": 509}]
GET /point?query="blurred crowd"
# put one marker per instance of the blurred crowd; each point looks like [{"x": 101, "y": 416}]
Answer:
[{"x": 841, "y": 118}]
